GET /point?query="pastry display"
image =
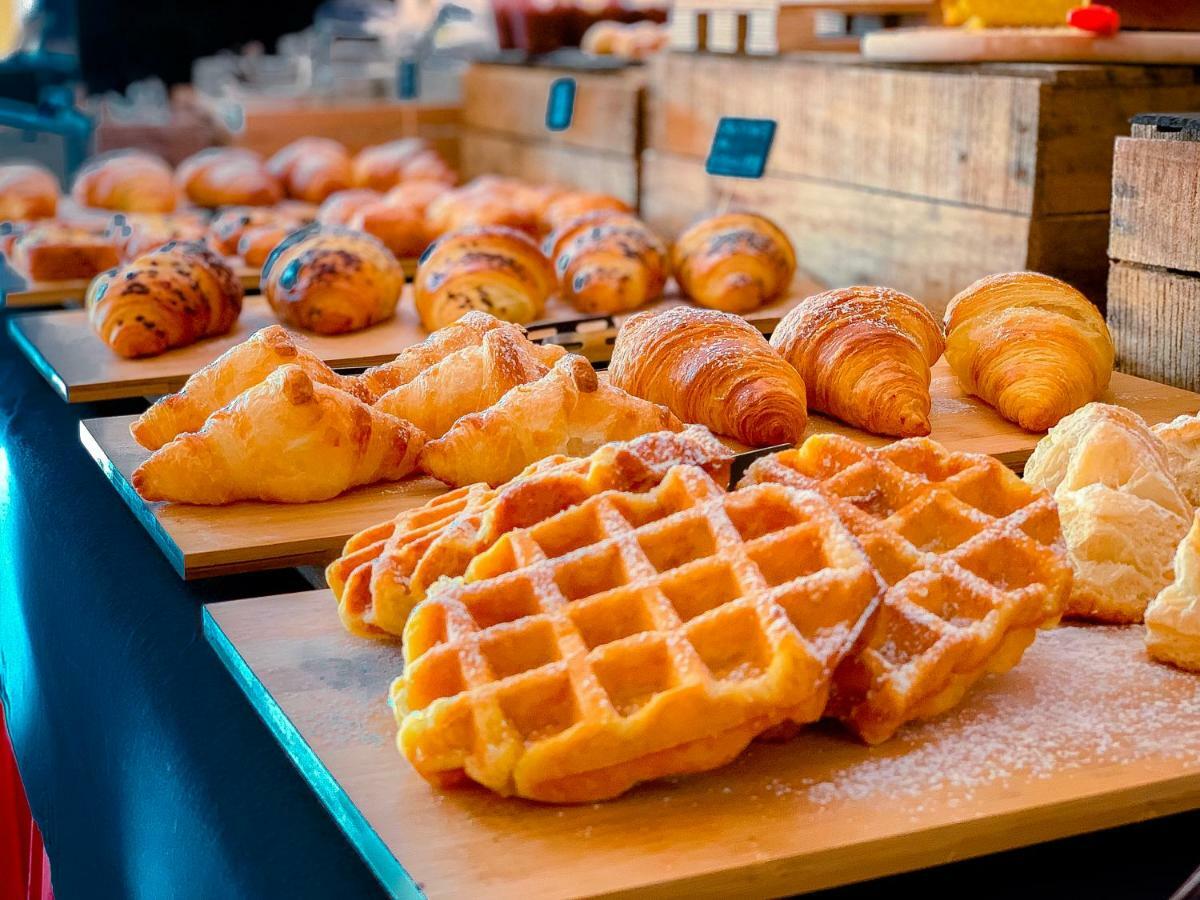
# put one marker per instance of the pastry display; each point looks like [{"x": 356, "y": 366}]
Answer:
[
  {"x": 1122, "y": 512},
  {"x": 608, "y": 263},
  {"x": 1173, "y": 617},
  {"x": 1182, "y": 440},
  {"x": 569, "y": 411},
  {"x": 171, "y": 297},
  {"x": 27, "y": 191},
  {"x": 714, "y": 369},
  {"x": 332, "y": 280},
  {"x": 385, "y": 571},
  {"x": 973, "y": 559},
  {"x": 634, "y": 636},
  {"x": 495, "y": 269},
  {"x": 50, "y": 251},
  {"x": 312, "y": 168},
  {"x": 384, "y": 166},
  {"x": 288, "y": 439},
  {"x": 1030, "y": 346},
  {"x": 131, "y": 181},
  {"x": 227, "y": 176},
  {"x": 234, "y": 371},
  {"x": 864, "y": 354},
  {"x": 470, "y": 380},
  {"x": 734, "y": 262}
]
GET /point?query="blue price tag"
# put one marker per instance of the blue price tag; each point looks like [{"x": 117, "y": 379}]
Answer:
[
  {"x": 560, "y": 104},
  {"x": 740, "y": 147}
]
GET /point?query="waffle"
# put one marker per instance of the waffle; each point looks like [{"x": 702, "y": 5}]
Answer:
[
  {"x": 384, "y": 571},
  {"x": 631, "y": 637},
  {"x": 974, "y": 559}
]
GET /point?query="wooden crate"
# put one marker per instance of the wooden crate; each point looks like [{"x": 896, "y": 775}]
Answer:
[
  {"x": 504, "y": 130},
  {"x": 1154, "y": 279},
  {"x": 919, "y": 178}
]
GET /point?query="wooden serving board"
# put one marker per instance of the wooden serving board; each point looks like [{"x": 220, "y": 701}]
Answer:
[
  {"x": 1086, "y": 733},
  {"x": 81, "y": 368},
  {"x": 1047, "y": 45},
  {"x": 202, "y": 541}
]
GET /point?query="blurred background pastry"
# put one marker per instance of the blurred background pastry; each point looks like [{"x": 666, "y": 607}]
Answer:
[
  {"x": 130, "y": 181},
  {"x": 225, "y": 176},
  {"x": 27, "y": 191},
  {"x": 312, "y": 168},
  {"x": 50, "y": 251}
]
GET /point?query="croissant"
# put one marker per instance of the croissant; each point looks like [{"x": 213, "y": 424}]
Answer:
[
  {"x": 416, "y": 195},
  {"x": 490, "y": 201},
  {"x": 332, "y": 280},
  {"x": 864, "y": 354},
  {"x": 338, "y": 207},
  {"x": 408, "y": 159},
  {"x": 288, "y": 439},
  {"x": 256, "y": 243},
  {"x": 576, "y": 204},
  {"x": 312, "y": 168},
  {"x": 470, "y": 380},
  {"x": 609, "y": 263},
  {"x": 711, "y": 368},
  {"x": 402, "y": 229},
  {"x": 169, "y": 298},
  {"x": 137, "y": 234},
  {"x": 126, "y": 181},
  {"x": 234, "y": 371},
  {"x": 568, "y": 411},
  {"x": 226, "y": 176},
  {"x": 495, "y": 269},
  {"x": 735, "y": 262},
  {"x": 1029, "y": 345},
  {"x": 227, "y": 227},
  {"x": 27, "y": 191},
  {"x": 49, "y": 251}
]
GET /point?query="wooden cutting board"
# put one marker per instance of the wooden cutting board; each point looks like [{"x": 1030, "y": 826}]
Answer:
[
  {"x": 81, "y": 368},
  {"x": 1086, "y": 733},
  {"x": 1066, "y": 45},
  {"x": 202, "y": 541}
]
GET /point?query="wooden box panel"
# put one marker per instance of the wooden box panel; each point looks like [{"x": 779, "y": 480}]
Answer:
[
  {"x": 485, "y": 153},
  {"x": 1154, "y": 316},
  {"x": 511, "y": 101},
  {"x": 1156, "y": 204}
]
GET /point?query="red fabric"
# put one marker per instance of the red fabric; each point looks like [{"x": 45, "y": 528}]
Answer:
[{"x": 24, "y": 868}]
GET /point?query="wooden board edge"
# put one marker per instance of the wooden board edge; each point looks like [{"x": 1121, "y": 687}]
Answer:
[
  {"x": 39, "y": 362},
  {"x": 375, "y": 853},
  {"x": 136, "y": 505}
]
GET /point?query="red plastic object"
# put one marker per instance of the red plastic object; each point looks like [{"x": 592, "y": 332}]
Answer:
[
  {"x": 24, "y": 867},
  {"x": 1101, "y": 20}
]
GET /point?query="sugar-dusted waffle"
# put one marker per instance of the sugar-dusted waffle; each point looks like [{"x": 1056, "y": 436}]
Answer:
[
  {"x": 384, "y": 571},
  {"x": 632, "y": 637},
  {"x": 974, "y": 559}
]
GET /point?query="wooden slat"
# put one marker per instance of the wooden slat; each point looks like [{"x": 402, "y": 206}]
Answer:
[
  {"x": 964, "y": 45},
  {"x": 1153, "y": 315},
  {"x": 71, "y": 293},
  {"x": 511, "y": 100},
  {"x": 1072, "y": 247},
  {"x": 485, "y": 152},
  {"x": 204, "y": 541},
  {"x": 1156, "y": 203},
  {"x": 1085, "y": 734}
]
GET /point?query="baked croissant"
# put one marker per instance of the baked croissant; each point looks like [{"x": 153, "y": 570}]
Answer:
[
  {"x": 864, "y": 354},
  {"x": 575, "y": 204},
  {"x": 126, "y": 181},
  {"x": 137, "y": 234},
  {"x": 402, "y": 229},
  {"x": 1029, "y": 345},
  {"x": 711, "y": 368},
  {"x": 332, "y": 280},
  {"x": 468, "y": 331},
  {"x": 491, "y": 268},
  {"x": 735, "y": 262},
  {"x": 609, "y": 263},
  {"x": 338, "y": 207},
  {"x": 568, "y": 411},
  {"x": 383, "y": 166},
  {"x": 27, "y": 191},
  {"x": 168, "y": 298},
  {"x": 227, "y": 176},
  {"x": 234, "y": 371},
  {"x": 470, "y": 380},
  {"x": 227, "y": 227},
  {"x": 490, "y": 200},
  {"x": 312, "y": 168},
  {"x": 288, "y": 439}
]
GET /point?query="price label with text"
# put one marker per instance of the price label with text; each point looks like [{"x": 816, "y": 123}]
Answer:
[
  {"x": 740, "y": 147},
  {"x": 560, "y": 104}
]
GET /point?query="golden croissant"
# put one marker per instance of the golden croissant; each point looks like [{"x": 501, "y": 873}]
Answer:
[
  {"x": 1029, "y": 345},
  {"x": 609, "y": 263},
  {"x": 131, "y": 181},
  {"x": 711, "y": 368},
  {"x": 469, "y": 380},
  {"x": 568, "y": 411},
  {"x": 735, "y": 262},
  {"x": 234, "y": 371},
  {"x": 312, "y": 168},
  {"x": 865, "y": 355},
  {"x": 288, "y": 440}
]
